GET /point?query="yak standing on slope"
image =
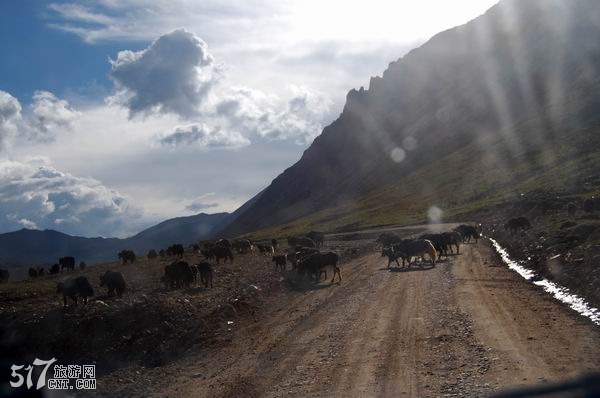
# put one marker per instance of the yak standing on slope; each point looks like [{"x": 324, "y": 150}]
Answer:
[
  {"x": 74, "y": 287},
  {"x": 127, "y": 256},
  {"x": 113, "y": 281},
  {"x": 67, "y": 262},
  {"x": 206, "y": 274}
]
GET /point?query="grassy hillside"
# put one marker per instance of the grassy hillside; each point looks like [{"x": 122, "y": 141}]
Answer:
[{"x": 464, "y": 183}]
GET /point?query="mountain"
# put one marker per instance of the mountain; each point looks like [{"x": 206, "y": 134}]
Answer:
[
  {"x": 504, "y": 105},
  {"x": 28, "y": 247},
  {"x": 176, "y": 230}
]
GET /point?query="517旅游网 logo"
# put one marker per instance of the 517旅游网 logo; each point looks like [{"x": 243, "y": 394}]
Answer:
[{"x": 66, "y": 377}]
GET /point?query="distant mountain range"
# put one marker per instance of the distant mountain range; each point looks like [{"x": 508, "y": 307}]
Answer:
[
  {"x": 505, "y": 105},
  {"x": 28, "y": 247}
]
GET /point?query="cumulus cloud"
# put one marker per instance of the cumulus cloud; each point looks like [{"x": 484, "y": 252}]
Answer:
[
  {"x": 10, "y": 119},
  {"x": 173, "y": 75},
  {"x": 49, "y": 115},
  {"x": 299, "y": 118},
  {"x": 33, "y": 194},
  {"x": 203, "y": 136},
  {"x": 41, "y": 121},
  {"x": 177, "y": 75}
]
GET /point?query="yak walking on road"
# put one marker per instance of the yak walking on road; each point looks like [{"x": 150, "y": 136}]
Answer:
[{"x": 317, "y": 262}]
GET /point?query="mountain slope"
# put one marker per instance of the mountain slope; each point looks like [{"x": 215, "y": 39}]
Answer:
[
  {"x": 181, "y": 229},
  {"x": 27, "y": 247},
  {"x": 481, "y": 112}
]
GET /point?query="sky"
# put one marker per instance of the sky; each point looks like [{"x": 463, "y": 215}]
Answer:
[{"x": 115, "y": 115}]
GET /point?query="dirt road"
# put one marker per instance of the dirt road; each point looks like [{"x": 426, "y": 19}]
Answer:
[{"x": 467, "y": 327}]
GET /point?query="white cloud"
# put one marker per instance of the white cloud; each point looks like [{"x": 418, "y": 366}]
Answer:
[
  {"x": 49, "y": 115},
  {"x": 200, "y": 203},
  {"x": 300, "y": 118},
  {"x": 205, "y": 137},
  {"x": 40, "y": 122},
  {"x": 145, "y": 19},
  {"x": 25, "y": 223},
  {"x": 33, "y": 194},
  {"x": 10, "y": 118},
  {"x": 174, "y": 74}
]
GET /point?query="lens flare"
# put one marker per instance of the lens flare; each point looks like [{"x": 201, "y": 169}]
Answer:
[
  {"x": 409, "y": 143},
  {"x": 398, "y": 155},
  {"x": 434, "y": 214}
]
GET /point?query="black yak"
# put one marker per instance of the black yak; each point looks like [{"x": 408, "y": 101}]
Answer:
[
  {"x": 221, "y": 252},
  {"x": 74, "y": 287},
  {"x": 177, "y": 275},
  {"x": 223, "y": 243},
  {"x": 439, "y": 242},
  {"x": 242, "y": 246},
  {"x": 127, "y": 256},
  {"x": 113, "y": 281},
  {"x": 67, "y": 262},
  {"x": 316, "y": 262},
  {"x": 176, "y": 250},
  {"x": 280, "y": 261},
  {"x": 467, "y": 232},
  {"x": 416, "y": 248},
  {"x": 393, "y": 255},
  {"x": 452, "y": 239},
  {"x": 206, "y": 273}
]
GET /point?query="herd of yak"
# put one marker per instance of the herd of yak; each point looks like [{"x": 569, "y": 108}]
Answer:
[
  {"x": 305, "y": 257},
  {"x": 302, "y": 253},
  {"x": 433, "y": 245},
  {"x": 437, "y": 245}
]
